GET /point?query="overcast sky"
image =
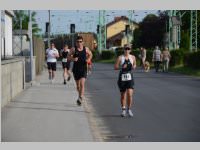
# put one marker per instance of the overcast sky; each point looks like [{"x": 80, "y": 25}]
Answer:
[{"x": 84, "y": 20}]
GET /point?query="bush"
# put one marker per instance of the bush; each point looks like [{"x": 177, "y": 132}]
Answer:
[
  {"x": 95, "y": 54},
  {"x": 119, "y": 51},
  {"x": 136, "y": 53},
  {"x": 192, "y": 60},
  {"x": 107, "y": 54},
  {"x": 149, "y": 55},
  {"x": 176, "y": 57}
]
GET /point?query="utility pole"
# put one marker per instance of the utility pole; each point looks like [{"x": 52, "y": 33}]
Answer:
[
  {"x": 104, "y": 20},
  {"x": 193, "y": 30},
  {"x": 100, "y": 32},
  {"x": 31, "y": 45},
  {"x": 49, "y": 28},
  {"x": 21, "y": 35}
]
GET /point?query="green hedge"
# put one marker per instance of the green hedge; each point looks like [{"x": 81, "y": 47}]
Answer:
[
  {"x": 149, "y": 55},
  {"x": 177, "y": 57},
  {"x": 95, "y": 54},
  {"x": 192, "y": 59},
  {"x": 107, "y": 54}
]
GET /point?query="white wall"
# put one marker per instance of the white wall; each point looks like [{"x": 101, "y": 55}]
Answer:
[
  {"x": 0, "y": 50},
  {"x": 8, "y": 35}
]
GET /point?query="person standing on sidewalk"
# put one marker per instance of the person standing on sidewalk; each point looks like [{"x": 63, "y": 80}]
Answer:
[
  {"x": 126, "y": 63},
  {"x": 143, "y": 56},
  {"x": 79, "y": 55},
  {"x": 65, "y": 63},
  {"x": 156, "y": 58},
  {"x": 52, "y": 54},
  {"x": 166, "y": 58}
]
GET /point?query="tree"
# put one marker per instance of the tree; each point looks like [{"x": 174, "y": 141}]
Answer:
[
  {"x": 25, "y": 20},
  {"x": 151, "y": 30}
]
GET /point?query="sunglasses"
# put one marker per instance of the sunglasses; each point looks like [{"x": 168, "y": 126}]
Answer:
[
  {"x": 79, "y": 41},
  {"x": 127, "y": 48}
]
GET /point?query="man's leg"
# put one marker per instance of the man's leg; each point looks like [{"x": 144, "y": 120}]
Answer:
[
  {"x": 167, "y": 65},
  {"x": 50, "y": 74},
  {"x": 78, "y": 86},
  {"x": 82, "y": 87},
  {"x": 53, "y": 74}
]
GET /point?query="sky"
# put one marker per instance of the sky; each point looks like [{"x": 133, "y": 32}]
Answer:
[{"x": 84, "y": 20}]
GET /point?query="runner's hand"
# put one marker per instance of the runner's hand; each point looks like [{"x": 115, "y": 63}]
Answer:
[
  {"x": 76, "y": 59},
  {"x": 124, "y": 66}
]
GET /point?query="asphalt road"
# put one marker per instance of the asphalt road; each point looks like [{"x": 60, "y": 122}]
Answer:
[{"x": 166, "y": 106}]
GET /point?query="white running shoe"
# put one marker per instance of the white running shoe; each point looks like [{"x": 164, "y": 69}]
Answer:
[
  {"x": 52, "y": 81},
  {"x": 130, "y": 113},
  {"x": 123, "y": 114}
]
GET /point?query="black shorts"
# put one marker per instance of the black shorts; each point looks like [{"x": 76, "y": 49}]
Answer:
[
  {"x": 51, "y": 66},
  {"x": 124, "y": 85},
  {"x": 78, "y": 74},
  {"x": 66, "y": 65}
]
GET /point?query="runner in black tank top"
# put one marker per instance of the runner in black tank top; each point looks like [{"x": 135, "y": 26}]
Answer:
[
  {"x": 81, "y": 55},
  {"x": 127, "y": 62},
  {"x": 65, "y": 63},
  {"x": 125, "y": 83}
]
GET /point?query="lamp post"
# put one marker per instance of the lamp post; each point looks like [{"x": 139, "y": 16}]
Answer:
[{"x": 31, "y": 46}]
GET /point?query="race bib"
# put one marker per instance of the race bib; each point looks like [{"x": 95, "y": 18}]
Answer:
[
  {"x": 126, "y": 77},
  {"x": 64, "y": 60}
]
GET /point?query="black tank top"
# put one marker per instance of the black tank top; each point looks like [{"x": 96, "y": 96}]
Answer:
[
  {"x": 128, "y": 68},
  {"x": 81, "y": 63},
  {"x": 64, "y": 54}
]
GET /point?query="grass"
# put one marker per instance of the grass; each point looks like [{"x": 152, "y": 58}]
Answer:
[
  {"x": 108, "y": 61},
  {"x": 185, "y": 70}
]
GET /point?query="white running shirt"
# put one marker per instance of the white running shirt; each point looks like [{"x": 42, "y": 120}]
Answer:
[{"x": 50, "y": 54}]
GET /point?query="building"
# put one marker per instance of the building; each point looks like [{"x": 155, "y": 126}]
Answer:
[
  {"x": 6, "y": 33},
  {"x": 116, "y": 31},
  {"x": 89, "y": 40}
]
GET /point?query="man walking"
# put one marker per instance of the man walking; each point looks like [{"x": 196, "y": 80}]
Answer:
[{"x": 156, "y": 58}]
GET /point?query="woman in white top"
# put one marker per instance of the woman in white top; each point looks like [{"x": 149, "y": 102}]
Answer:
[
  {"x": 52, "y": 54},
  {"x": 126, "y": 63}
]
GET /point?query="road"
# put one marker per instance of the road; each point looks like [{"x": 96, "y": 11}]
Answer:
[{"x": 166, "y": 106}]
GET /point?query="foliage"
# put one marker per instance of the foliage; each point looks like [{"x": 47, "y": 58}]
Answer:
[
  {"x": 107, "y": 54},
  {"x": 25, "y": 21}
]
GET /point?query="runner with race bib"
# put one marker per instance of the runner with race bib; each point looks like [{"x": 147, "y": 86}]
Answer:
[
  {"x": 65, "y": 63},
  {"x": 126, "y": 63}
]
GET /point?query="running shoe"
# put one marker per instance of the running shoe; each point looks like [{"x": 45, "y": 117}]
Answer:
[
  {"x": 79, "y": 101},
  {"x": 52, "y": 81},
  {"x": 123, "y": 114},
  {"x": 130, "y": 113},
  {"x": 68, "y": 78},
  {"x": 64, "y": 82}
]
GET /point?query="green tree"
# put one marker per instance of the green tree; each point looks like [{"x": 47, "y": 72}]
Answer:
[
  {"x": 25, "y": 20},
  {"x": 151, "y": 30}
]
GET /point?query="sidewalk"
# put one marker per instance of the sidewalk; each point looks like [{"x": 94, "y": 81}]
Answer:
[{"x": 46, "y": 112}]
